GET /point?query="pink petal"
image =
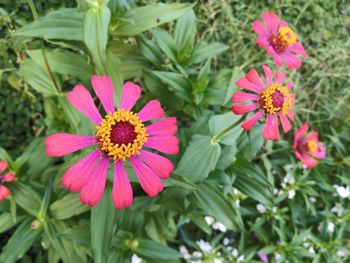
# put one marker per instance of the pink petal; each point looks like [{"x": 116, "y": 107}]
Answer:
[
  {"x": 268, "y": 74},
  {"x": 254, "y": 77},
  {"x": 93, "y": 190},
  {"x": 239, "y": 109},
  {"x": 259, "y": 28},
  {"x": 243, "y": 96},
  {"x": 4, "y": 192},
  {"x": 163, "y": 127},
  {"x": 283, "y": 23},
  {"x": 122, "y": 192},
  {"x": 298, "y": 134},
  {"x": 271, "y": 131},
  {"x": 311, "y": 137},
  {"x": 262, "y": 41},
  {"x": 104, "y": 90},
  {"x": 81, "y": 99},
  {"x": 307, "y": 160},
  {"x": 78, "y": 174},
  {"x": 159, "y": 164},
  {"x": 165, "y": 144},
  {"x": 248, "y": 124},
  {"x": 289, "y": 85},
  {"x": 61, "y": 144},
  {"x": 276, "y": 57},
  {"x": 271, "y": 20},
  {"x": 149, "y": 181},
  {"x": 292, "y": 61},
  {"x": 130, "y": 94},
  {"x": 152, "y": 110},
  {"x": 3, "y": 166},
  {"x": 298, "y": 48},
  {"x": 285, "y": 122},
  {"x": 244, "y": 83},
  {"x": 280, "y": 76},
  {"x": 9, "y": 177},
  {"x": 321, "y": 152},
  {"x": 291, "y": 114}
]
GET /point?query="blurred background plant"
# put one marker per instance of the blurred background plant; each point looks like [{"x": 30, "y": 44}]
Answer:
[{"x": 233, "y": 197}]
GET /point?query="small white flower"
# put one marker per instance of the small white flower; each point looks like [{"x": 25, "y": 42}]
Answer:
[
  {"x": 312, "y": 199},
  {"x": 278, "y": 256},
  {"x": 209, "y": 220},
  {"x": 240, "y": 258},
  {"x": 204, "y": 246},
  {"x": 221, "y": 227},
  {"x": 275, "y": 191},
  {"x": 197, "y": 254},
  {"x": 341, "y": 253},
  {"x": 274, "y": 209},
  {"x": 217, "y": 260},
  {"x": 291, "y": 193},
  {"x": 289, "y": 179},
  {"x": 337, "y": 210},
  {"x": 330, "y": 227},
  {"x": 235, "y": 252},
  {"x": 312, "y": 250},
  {"x": 343, "y": 192},
  {"x": 238, "y": 202},
  {"x": 288, "y": 167},
  {"x": 135, "y": 259},
  {"x": 184, "y": 252},
  {"x": 261, "y": 208},
  {"x": 306, "y": 244},
  {"x": 226, "y": 241}
]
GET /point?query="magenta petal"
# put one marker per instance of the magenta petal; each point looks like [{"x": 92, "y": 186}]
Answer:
[
  {"x": 321, "y": 151},
  {"x": 61, "y": 144},
  {"x": 244, "y": 83},
  {"x": 258, "y": 27},
  {"x": 78, "y": 174},
  {"x": 262, "y": 41},
  {"x": 4, "y": 192},
  {"x": 248, "y": 124},
  {"x": 311, "y": 137},
  {"x": 298, "y": 134},
  {"x": 254, "y": 77},
  {"x": 271, "y": 21},
  {"x": 130, "y": 94},
  {"x": 152, "y": 110},
  {"x": 159, "y": 164},
  {"x": 93, "y": 190},
  {"x": 292, "y": 61},
  {"x": 298, "y": 48},
  {"x": 307, "y": 160},
  {"x": 276, "y": 57},
  {"x": 289, "y": 85},
  {"x": 239, "y": 96},
  {"x": 283, "y": 23},
  {"x": 285, "y": 122},
  {"x": 9, "y": 177},
  {"x": 280, "y": 76},
  {"x": 244, "y": 108},
  {"x": 81, "y": 99},
  {"x": 104, "y": 90},
  {"x": 3, "y": 166},
  {"x": 165, "y": 144},
  {"x": 268, "y": 74},
  {"x": 149, "y": 181},
  {"x": 271, "y": 131},
  {"x": 122, "y": 194},
  {"x": 163, "y": 127},
  {"x": 291, "y": 114}
]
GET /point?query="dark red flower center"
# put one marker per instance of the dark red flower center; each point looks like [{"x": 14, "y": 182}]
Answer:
[
  {"x": 277, "y": 99},
  {"x": 282, "y": 39},
  {"x": 123, "y": 133}
]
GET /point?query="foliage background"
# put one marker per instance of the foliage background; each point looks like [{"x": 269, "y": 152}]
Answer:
[{"x": 47, "y": 223}]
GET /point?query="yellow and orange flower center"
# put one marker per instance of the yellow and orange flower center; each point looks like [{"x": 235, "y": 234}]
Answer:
[
  {"x": 121, "y": 134},
  {"x": 282, "y": 39},
  {"x": 275, "y": 99},
  {"x": 311, "y": 146}
]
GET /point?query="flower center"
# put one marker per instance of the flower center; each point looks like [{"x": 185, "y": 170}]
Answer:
[
  {"x": 121, "y": 134},
  {"x": 311, "y": 146},
  {"x": 282, "y": 39},
  {"x": 274, "y": 99}
]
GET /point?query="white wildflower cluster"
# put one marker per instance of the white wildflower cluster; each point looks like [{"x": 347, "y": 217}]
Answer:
[
  {"x": 199, "y": 256},
  {"x": 288, "y": 186},
  {"x": 135, "y": 259},
  {"x": 330, "y": 226},
  {"x": 261, "y": 208},
  {"x": 237, "y": 196},
  {"x": 235, "y": 254},
  {"x": 342, "y": 191},
  {"x": 215, "y": 225},
  {"x": 307, "y": 243},
  {"x": 338, "y": 210}
]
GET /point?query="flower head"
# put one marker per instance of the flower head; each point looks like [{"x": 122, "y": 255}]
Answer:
[
  {"x": 279, "y": 40},
  {"x": 121, "y": 135},
  {"x": 270, "y": 97},
  {"x": 8, "y": 177},
  {"x": 307, "y": 147}
]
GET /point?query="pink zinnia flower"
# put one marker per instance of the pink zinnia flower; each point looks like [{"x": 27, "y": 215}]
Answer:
[
  {"x": 307, "y": 147},
  {"x": 8, "y": 177},
  {"x": 279, "y": 40},
  {"x": 269, "y": 97},
  {"x": 121, "y": 135},
  {"x": 263, "y": 256}
]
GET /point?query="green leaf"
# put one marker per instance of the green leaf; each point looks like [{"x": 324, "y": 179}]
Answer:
[
  {"x": 211, "y": 200},
  {"x": 137, "y": 20},
  {"x": 152, "y": 250},
  {"x": 103, "y": 225},
  {"x": 6, "y": 221},
  {"x": 199, "y": 159},
  {"x": 68, "y": 207},
  {"x": 251, "y": 142},
  {"x": 151, "y": 51},
  {"x": 166, "y": 44},
  {"x": 26, "y": 197},
  {"x": 66, "y": 24},
  {"x": 20, "y": 241},
  {"x": 37, "y": 77},
  {"x": 113, "y": 67},
  {"x": 205, "y": 51},
  {"x": 219, "y": 123},
  {"x": 64, "y": 62}
]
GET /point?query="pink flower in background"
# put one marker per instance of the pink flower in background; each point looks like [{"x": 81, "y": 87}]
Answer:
[
  {"x": 121, "y": 135},
  {"x": 307, "y": 147},
  {"x": 269, "y": 97},
  {"x": 263, "y": 256},
  {"x": 279, "y": 40},
  {"x": 8, "y": 177}
]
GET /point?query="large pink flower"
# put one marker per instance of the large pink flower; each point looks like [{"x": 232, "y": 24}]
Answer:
[
  {"x": 121, "y": 135},
  {"x": 279, "y": 40},
  {"x": 8, "y": 177},
  {"x": 307, "y": 147},
  {"x": 269, "y": 97}
]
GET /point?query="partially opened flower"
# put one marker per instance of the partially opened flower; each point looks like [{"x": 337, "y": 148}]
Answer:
[
  {"x": 279, "y": 40},
  {"x": 7, "y": 177},
  {"x": 307, "y": 147},
  {"x": 121, "y": 135},
  {"x": 269, "y": 98}
]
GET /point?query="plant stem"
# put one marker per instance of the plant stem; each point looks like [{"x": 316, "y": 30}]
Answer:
[
  {"x": 33, "y": 9},
  {"x": 217, "y": 137}
]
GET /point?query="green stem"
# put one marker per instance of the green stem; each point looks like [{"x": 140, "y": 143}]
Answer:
[
  {"x": 33, "y": 9},
  {"x": 48, "y": 67},
  {"x": 217, "y": 137},
  {"x": 251, "y": 59}
]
